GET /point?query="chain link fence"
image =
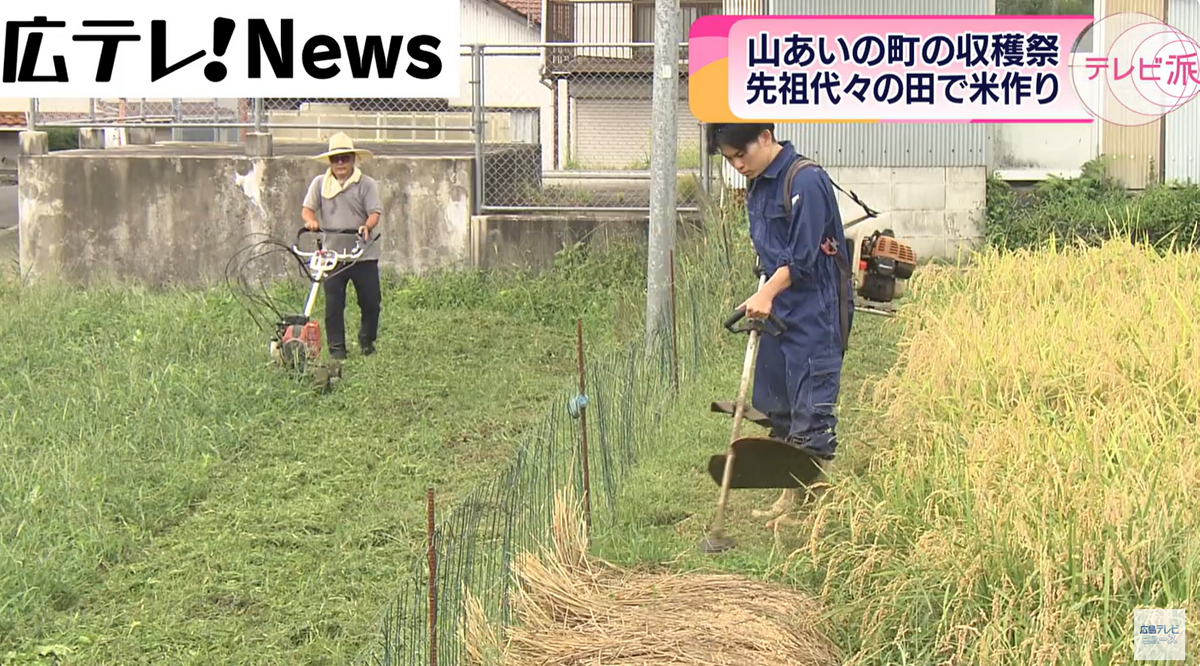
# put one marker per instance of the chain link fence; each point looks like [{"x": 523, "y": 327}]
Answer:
[
  {"x": 189, "y": 119},
  {"x": 570, "y": 128},
  {"x": 287, "y": 120},
  {"x": 475, "y": 544}
]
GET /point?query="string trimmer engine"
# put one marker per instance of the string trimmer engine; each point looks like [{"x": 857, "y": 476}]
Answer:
[
  {"x": 296, "y": 335},
  {"x": 883, "y": 267}
]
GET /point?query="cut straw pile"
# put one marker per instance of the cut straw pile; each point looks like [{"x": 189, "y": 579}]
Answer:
[{"x": 572, "y": 609}]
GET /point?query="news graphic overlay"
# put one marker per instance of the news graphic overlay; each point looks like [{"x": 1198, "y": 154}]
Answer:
[
  {"x": 1142, "y": 69},
  {"x": 1160, "y": 634},
  {"x": 977, "y": 68},
  {"x": 264, "y": 48}
]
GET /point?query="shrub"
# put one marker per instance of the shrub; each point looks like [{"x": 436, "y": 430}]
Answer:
[
  {"x": 1091, "y": 209},
  {"x": 62, "y": 138}
]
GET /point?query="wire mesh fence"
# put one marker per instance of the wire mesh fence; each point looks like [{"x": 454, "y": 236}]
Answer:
[
  {"x": 590, "y": 439},
  {"x": 569, "y": 127}
]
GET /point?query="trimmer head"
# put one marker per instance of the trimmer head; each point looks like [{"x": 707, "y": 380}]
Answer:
[
  {"x": 716, "y": 544},
  {"x": 765, "y": 462},
  {"x": 325, "y": 377}
]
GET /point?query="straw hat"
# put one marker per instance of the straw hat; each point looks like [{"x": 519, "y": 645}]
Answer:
[{"x": 341, "y": 143}]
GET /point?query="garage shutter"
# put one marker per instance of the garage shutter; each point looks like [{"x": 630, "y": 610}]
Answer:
[{"x": 615, "y": 133}]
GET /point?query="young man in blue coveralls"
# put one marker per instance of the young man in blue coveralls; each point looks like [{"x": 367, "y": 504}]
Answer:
[{"x": 797, "y": 377}]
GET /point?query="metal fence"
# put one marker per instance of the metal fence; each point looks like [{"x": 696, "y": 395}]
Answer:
[
  {"x": 474, "y": 546},
  {"x": 554, "y": 126},
  {"x": 590, "y": 440}
]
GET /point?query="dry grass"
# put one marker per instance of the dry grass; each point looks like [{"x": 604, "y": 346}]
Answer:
[
  {"x": 574, "y": 609},
  {"x": 1038, "y": 475}
]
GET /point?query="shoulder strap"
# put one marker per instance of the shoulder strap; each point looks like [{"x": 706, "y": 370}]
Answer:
[
  {"x": 796, "y": 167},
  {"x": 799, "y": 165}
]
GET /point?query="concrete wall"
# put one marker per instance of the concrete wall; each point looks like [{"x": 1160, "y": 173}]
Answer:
[
  {"x": 531, "y": 241},
  {"x": 519, "y": 241},
  {"x": 938, "y": 210},
  {"x": 164, "y": 218},
  {"x": 1029, "y": 150},
  {"x": 158, "y": 215}
]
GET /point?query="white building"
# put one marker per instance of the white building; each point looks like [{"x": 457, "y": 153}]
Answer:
[{"x": 519, "y": 105}]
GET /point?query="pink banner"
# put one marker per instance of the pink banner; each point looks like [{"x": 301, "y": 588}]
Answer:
[{"x": 900, "y": 68}]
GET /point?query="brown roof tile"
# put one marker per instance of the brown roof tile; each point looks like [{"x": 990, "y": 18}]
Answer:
[
  {"x": 530, "y": 8},
  {"x": 12, "y": 119}
]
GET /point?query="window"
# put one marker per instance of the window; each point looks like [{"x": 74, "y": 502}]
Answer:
[{"x": 689, "y": 11}]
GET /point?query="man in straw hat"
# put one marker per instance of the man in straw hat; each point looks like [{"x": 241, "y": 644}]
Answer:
[{"x": 343, "y": 198}]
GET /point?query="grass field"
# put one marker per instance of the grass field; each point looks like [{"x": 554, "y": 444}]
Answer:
[
  {"x": 1022, "y": 479},
  {"x": 1020, "y": 452},
  {"x": 167, "y": 497}
]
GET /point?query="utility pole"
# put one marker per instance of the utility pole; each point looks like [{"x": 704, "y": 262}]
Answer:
[{"x": 663, "y": 170}]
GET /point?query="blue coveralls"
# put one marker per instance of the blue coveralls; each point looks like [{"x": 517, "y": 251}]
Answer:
[{"x": 798, "y": 373}]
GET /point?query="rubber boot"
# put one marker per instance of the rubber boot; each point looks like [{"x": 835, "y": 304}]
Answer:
[{"x": 821, "y": 445}]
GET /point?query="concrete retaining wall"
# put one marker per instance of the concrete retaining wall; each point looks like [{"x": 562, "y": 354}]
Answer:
[
  {"x": 532, "y": 241},
  {"x": 937, "y": 210},
  {"x": 177, "y": 219},
  {"x": 175, "y": 214}
]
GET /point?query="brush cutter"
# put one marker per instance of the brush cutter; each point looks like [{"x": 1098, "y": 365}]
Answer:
[
  {"x": 883, "y": 266},
  {"x": 297, "y": 338},
  {"x": 251, "y": 274}
]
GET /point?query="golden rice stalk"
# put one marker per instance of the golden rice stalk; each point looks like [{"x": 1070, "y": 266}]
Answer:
[{"x": 1036, "y": 462}]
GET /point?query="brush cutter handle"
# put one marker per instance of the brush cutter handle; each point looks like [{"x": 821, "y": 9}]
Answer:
[
  {"x": 306, "y": 230},
  {"x": 755, "y": 324},
  {"x": 359, "y": 248}
]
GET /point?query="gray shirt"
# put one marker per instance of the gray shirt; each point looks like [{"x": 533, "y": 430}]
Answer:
[{"x": 346, "y": 212}]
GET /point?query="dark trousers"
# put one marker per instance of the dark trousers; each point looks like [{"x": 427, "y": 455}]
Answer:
[
  {"x": 365, "y": 276},
  {"x": 797, "y": 386}
]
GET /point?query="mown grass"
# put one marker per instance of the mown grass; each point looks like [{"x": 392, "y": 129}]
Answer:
[
  {"x": 167, "y": 497},
  {"x": 1020, "y": 480}
]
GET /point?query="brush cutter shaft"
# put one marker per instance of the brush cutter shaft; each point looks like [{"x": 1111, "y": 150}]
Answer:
[
  {"x": 312, "y": 298},
  {"x": 718, "y": 525}
]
